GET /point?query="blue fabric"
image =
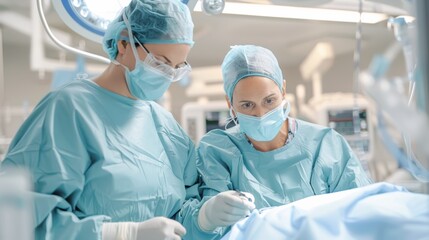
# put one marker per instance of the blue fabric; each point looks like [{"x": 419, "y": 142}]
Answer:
[
  {"x": 317, "y": 160},
  {"x": 98, "y": 156},
  {"x": 379, "y": 211},
  {"x": 248, "y": 60},
  {"x": 152, "y": 21}
]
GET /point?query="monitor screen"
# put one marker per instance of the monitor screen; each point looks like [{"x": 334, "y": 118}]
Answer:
[
  {"x": 342, "y": 121},
  {"x": 216, "y": 120}
]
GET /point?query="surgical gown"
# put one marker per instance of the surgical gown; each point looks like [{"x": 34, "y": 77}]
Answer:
[
  {"x": 317, "y": 160},
  {"x": 97, "y": 156}
]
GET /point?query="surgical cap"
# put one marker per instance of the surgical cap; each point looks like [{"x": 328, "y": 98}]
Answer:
[
  {"x": 152, "y": 21},
  {"x": 248, "y": 60}
]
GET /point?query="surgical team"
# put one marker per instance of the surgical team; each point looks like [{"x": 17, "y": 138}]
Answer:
[{"x": 107, "y": 162}]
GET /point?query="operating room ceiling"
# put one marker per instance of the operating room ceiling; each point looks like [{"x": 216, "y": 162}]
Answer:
[{"x": 290, "y": 39}]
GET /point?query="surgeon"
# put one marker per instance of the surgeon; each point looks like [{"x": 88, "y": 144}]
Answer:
[
  {"x": 271, "y": 156},
  {"x": 108, "y": 162}
]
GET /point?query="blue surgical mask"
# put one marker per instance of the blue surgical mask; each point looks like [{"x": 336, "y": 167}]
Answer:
[
  {"x": 145, "y": 83},
  {"x": 266, "y": 127}
]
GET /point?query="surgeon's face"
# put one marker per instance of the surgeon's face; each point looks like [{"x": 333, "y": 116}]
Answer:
[{"x": 256, "y": 96}]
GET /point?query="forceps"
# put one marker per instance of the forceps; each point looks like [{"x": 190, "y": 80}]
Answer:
[{"x": 243, "y": 195}]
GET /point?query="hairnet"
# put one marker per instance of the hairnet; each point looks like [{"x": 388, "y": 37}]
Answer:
[
  {"x": 248, "y": 60},
  {"x": 152, "y": 21}
]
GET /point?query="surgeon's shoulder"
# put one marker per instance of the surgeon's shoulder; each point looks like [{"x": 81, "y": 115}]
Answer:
[
  {"x": 66, "y": 96},
  {"x": 53, "y": 98},
  {"x": 161, "y": 115},
  {"x": 317, "y": 131},
  {"x": 164, "y": 119},
  {"x": 76, "y": 96},
  {"x": 311, "y": 129},
  {"x": 73, "y": 90},
  {"x": 158, "y": 109},
  {"x": 310, "y": 126},
  {"x": 221, "y": 137}
]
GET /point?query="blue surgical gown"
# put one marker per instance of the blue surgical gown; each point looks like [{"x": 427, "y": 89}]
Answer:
[
  {"x": 97, "y": 156},
  {"x": 317, "y": 160}
]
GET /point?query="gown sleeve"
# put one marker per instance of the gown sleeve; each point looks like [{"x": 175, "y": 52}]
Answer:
[
  {"x": 188, "y": 214},
  {"x": 214, "y": 153},
  {"x": 50, "y": 145}
]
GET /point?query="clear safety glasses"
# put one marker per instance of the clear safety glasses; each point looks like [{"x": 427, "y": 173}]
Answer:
[{"x": 174, "y": 73}]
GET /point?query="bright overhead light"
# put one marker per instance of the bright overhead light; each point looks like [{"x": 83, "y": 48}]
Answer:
[
  {"x": 213, "y": 7},
  {"x": 89, "y": 18},
  {"x": 320, "y": 14}
]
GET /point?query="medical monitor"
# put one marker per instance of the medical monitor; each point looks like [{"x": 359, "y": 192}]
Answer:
[
  {"x": 343, "y": 122},
  {"x": 199, "y": 118}
]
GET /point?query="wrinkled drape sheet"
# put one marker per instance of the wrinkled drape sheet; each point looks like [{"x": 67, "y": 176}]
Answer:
[{"x": 378, "y": 211}]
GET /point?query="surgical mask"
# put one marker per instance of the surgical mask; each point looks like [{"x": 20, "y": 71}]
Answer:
[
  {"x": 149, "y": 79},
  {"x": 266, "y": 127}
]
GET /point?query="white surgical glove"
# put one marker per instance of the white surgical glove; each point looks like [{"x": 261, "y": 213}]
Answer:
[
  {"x": 158, "y": 228},
  {"x": 225, "y": 209}
]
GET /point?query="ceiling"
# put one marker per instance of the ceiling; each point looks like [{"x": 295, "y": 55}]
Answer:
[{"x": 291, "y": 40}]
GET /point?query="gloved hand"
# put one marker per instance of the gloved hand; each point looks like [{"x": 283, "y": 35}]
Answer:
[
  {"x": 158, "y": 228},
  {"x": 225, "y": 209}
]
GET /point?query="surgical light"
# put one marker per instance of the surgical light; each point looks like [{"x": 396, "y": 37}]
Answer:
[
  {"x": 213, "y": 7},
  {"x": 89, "y": 18}
]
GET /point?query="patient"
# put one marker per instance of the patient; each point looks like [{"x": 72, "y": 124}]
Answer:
[
  {"x": 379, "y": 211},
  {"x": 275, "y": 158}
]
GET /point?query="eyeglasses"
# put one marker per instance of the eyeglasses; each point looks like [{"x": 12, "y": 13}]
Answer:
[{"x": 174, "y": 73}]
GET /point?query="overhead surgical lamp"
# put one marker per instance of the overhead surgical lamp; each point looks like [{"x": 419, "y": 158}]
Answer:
[
  {"x": 89, "y": 18},
  {"x": 213, "y": 7}
]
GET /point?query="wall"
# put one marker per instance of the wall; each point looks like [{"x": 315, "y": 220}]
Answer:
[{"x": 22, "y": 86}]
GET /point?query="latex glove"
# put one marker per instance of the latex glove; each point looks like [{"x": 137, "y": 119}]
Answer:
[
  {"x": 224, "y": 209},
  {"x": 158, "y": 228}
]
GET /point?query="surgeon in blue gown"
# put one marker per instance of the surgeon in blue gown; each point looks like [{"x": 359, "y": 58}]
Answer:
[
  {"x": 275, "y": 158},
  {"x": 108, "y": 162}
]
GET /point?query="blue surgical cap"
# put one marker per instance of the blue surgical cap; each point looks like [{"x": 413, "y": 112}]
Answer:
[
  {"x": 249, "y": 60},
  {"x": 152, "y": 21}
]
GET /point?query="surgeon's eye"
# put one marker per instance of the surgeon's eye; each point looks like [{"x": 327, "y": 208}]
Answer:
[
  {"x": 247, "y": 105},
  {"x": 182, "y": 65},
  {"x": 159, "y": 60},
  {"x": 270, "y": 101}
]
